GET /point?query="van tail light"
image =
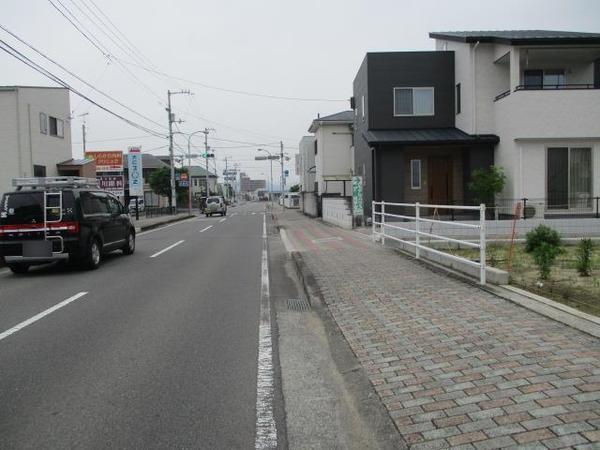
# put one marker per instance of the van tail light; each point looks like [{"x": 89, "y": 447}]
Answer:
[{"x": 71, "y": 227}]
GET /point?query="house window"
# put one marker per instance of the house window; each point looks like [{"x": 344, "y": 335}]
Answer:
[
  {"x": 315, "y": 146},
  {"x": 362, "y": 106},
  {"x": 413, "y": 101},
  {"x": 39, "y": 171},
  {"x": 56, "y": 127},
  {"x": 544, "y": 79},
  {"x": 458, "y": 98},
  {"x": 43, "y": 123},
  {"x": 415, "y": 174},
  {"x": 569, "y": 178}
]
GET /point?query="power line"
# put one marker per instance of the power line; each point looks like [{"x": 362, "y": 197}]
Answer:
[
  {"x": 235, "y": 91},
  {"x": 40, "y": 69},
  {"x": 78, "y": 77}
]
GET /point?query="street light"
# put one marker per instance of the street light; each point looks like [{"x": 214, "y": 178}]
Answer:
[{"x": 270, "y": 158}]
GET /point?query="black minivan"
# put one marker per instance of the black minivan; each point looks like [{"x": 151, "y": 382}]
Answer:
[{"x": 61, "y": 218}]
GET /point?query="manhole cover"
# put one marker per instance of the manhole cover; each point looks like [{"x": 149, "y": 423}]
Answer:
[{"x": 298, "y": 304}]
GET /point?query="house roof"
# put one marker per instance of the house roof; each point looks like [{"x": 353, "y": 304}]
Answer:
[
  {"x": 519, "y": 37},
  {"x": 341, "y": 118},
  {"x": 75, "y": 162},
  {"x": 148, "y": 162},
  {"x": 428, "y": 136},
  {"x": 197, "y": 171}
]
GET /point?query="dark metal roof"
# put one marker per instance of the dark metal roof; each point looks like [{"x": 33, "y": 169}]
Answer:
[
  {"x": 519, "y": 37},
  {"x": 148, "y": 162},
  {"x": 427, "y": 136},
  {"x": 75, "y": 162},
  {"x": 344, "y": 117},
  {"x": 197, "y": 171}
]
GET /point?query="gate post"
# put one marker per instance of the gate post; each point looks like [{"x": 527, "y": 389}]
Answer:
[
  {"x": 417, "y": 230},
  {"x": 482, "y": 243}
]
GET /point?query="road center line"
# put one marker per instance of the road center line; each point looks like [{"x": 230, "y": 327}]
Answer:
[
  {"x": 41, "y": 315},
  {"x": 167, "y": 249},
  {"x": 266, "y": 430},
  {"x": 207, "y": 228}
]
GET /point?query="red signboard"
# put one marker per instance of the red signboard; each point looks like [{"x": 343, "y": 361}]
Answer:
[{"x": 107, "y": 161}]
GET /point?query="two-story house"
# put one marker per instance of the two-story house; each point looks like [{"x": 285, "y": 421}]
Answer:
[
  {"x": 527, "y": 101},
  {"x": 539, "y": 92},
  {"x": 35, "y": 132},
  {"x": 407, "y": 145}
]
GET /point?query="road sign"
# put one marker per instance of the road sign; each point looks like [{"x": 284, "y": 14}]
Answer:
[
  {"x": 134, "y": 168},
  {"x": 114, "y": 184},
  {"x": 260, "y": 158},
  {"x": 107, "y": 161}
]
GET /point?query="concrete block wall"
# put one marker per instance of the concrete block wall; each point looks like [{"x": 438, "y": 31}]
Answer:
[{"x": 337, "y": 211}]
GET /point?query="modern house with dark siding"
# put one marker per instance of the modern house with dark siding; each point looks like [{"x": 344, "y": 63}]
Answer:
[{"x": 406, "y": 145}]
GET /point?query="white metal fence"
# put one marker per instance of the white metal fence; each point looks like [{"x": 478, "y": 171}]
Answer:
[{"x": 384, "y": 220}]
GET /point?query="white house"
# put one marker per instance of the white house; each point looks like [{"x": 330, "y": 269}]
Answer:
[
  {"x": 333, "y": 152},
  {"x": 539, "y": 92},
  {"x": 35, "y": 132}
]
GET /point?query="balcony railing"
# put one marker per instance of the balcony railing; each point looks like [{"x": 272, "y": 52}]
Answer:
[
  {"x": 551, "y": 87},
  {"x": 502, "y": 95}
]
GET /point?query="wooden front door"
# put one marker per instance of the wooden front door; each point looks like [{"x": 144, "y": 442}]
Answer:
[{"x": 440, "y": 180}]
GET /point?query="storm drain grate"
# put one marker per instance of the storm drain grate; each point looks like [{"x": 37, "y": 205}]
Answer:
[{"x": 298, "y": 304}]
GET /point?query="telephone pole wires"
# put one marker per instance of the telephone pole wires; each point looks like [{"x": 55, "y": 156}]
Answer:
[{"x": 171, "y": 157}]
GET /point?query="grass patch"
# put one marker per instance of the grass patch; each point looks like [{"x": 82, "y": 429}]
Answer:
[{"x": 564, "y": 284}]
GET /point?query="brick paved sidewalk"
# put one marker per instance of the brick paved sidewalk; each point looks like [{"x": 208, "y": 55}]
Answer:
[{"x": 454, "y": 365}]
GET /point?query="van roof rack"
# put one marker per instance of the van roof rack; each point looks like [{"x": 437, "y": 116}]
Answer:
[{"x": 54, "y": 182}]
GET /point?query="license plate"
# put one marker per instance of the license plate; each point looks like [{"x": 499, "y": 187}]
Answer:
[{"x": 37, "y": 249}]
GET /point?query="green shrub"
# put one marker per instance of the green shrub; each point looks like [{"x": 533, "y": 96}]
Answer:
[
  {"x": 486, "y": 183},
  {"x": 540, "y": 234},
  {"x": 544, "y": 256},
  {"x": 584, "y": 257}
]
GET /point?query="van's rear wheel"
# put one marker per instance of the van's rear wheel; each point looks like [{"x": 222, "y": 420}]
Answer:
[
  {"x": 93, "y": 255},
  {"x": 19, "y": 268}
]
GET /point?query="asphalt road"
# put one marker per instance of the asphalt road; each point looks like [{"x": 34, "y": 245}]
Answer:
[{"x": 160, "y": 353}]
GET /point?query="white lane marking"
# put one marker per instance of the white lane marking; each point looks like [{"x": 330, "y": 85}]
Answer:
[
  {"x": 41, "y": 315},
  {"x": 2, "y": 272},
  {"x": 253, "y": 213},
  {"x": 167, "y": 249},
  {"x": 234, "y": 214},
  {"x": 207, "y": 228},
  {"x": 223, "y": 219},
  {"x": 166, "y": 226},
  {"x": 266, "y": 429}
]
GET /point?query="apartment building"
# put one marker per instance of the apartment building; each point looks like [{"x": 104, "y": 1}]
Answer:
[{"x": 35, "y": 132}]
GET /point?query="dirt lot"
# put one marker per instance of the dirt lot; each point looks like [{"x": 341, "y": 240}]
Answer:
[{"x": 565, "y": 284}]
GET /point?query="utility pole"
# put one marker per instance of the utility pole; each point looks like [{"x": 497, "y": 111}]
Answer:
[
  {"x": 282, "y": 187},
  {"x": 83, "y": 131},
  {"x": 171, "y": 158}
]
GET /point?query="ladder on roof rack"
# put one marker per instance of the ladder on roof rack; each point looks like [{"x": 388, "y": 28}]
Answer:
[
  {"x": 50, "y": 207},
  {"x": 54, "y": 182}
]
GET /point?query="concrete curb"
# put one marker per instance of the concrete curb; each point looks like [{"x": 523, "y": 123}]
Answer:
[
  {"x": 307, "y": 279},
  {"x": 160, "y": 224}
]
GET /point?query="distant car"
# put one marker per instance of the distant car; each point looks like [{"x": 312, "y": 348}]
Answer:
[
  {"x": 140, "y": 204},
  {"x": 61, "y": 219},
  {"x": 215, "y": 205}
]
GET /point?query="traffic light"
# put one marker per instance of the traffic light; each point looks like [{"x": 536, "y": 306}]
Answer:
[{"x": 207, "y": 155}]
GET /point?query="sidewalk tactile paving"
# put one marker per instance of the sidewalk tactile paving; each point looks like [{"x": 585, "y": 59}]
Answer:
[{"x": 455, "y": 365}]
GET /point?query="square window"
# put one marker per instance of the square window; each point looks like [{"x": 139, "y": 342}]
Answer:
[
  {"x": 414, "y": 101},
  {"x": 56, "y": 127}
]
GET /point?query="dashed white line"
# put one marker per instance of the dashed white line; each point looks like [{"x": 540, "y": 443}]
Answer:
[
  {"x": 2, "y": 272},
  {"x": 266, "y": 429},
  {"x": 166, "y": 226},
  {"x": 167, "y": 249},
  {"x": 223, "y": 219},
  {"x": 207, "y": 228},
  {"x": 41, "y": 315}
]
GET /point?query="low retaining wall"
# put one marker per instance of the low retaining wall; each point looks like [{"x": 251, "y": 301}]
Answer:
[{"x": 337, "y": 211}]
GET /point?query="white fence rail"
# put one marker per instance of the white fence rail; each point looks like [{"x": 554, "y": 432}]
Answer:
[{"x": 382, "y": 221}]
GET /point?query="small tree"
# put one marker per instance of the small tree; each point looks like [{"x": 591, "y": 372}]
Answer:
[
  {"x": 485, "y": 184},
  {"x": 295, "y": 188},
  {"x": 544, "y": 243},
  {"x": 160, "y": 182},
  {"x": 584, "y": 257}
]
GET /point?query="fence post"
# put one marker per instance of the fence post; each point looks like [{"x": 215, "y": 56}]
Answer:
[
  {"x": 482, "y": 243},
  {"x": 417, "y": 230},
  {"x": 524, "y": 208},
  {"x": 597, "y": 210},
  {"x": 382, "y": 222},
  {"x": 373, "y": 220}
]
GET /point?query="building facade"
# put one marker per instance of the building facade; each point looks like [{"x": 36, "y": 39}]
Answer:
[
  {"x": 35, "y": 132},
  {"x": 248, "y": 184}
]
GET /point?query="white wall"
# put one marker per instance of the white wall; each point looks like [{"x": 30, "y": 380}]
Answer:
[
  {"x": 9, "y": 143},
  {"x": 334, "y": 155},
  {"x": 38, "y": 148},
  {"x": 307, "y": 163}
]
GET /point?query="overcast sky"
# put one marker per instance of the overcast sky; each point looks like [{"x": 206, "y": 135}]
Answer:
[{"x": 307, "y": 49}]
